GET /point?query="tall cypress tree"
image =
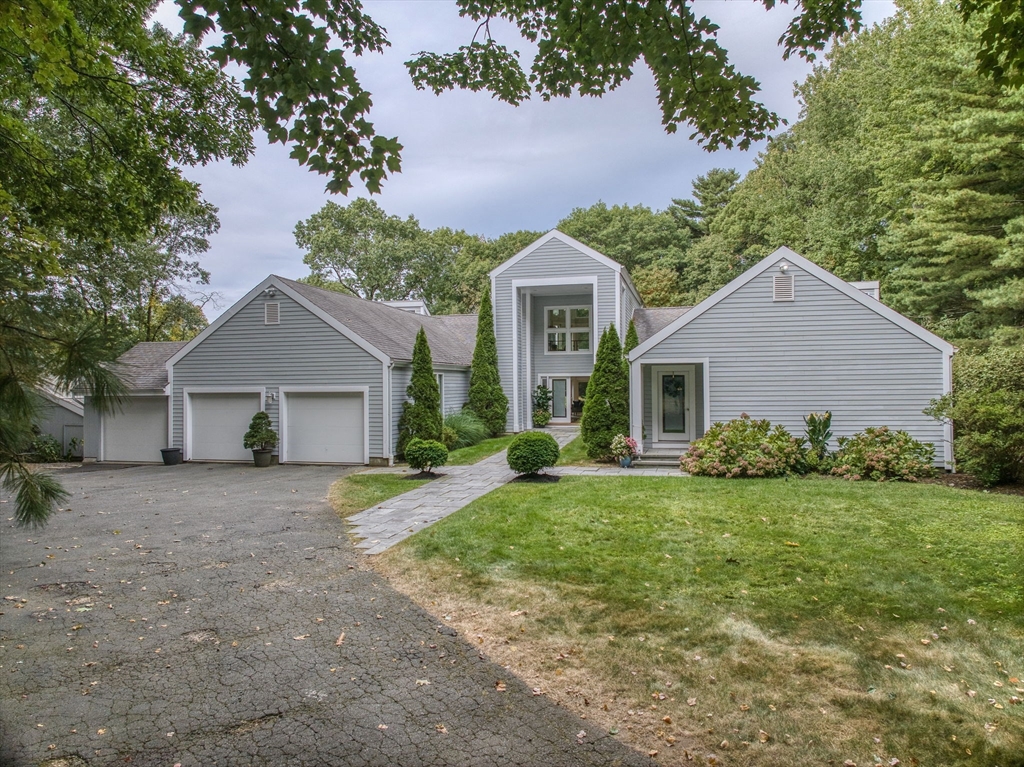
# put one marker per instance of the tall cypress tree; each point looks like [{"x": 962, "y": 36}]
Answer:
[
  {"x": 486, "y": 397},
  {"x": 606, "y": 410},
  {"x": 421, "y": 416},
  {"x": 632, "y": 338}
]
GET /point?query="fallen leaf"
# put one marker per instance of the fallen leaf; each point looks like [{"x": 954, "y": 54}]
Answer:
[
  {"x": 763, "y": 736},
  {"x": 302, "y": 636},
  {"x": 422, "y": 682},
  {"x": 499, "y": 686},
  {"x": 744, "y": 707},
  {"x": 382, "y": 726},
  {"x": 790, "y": 543},
  {"x": 440, "y": 728},
  {"x": 340, "y": 639},
  {"x": 849, "y": 763},
  {"x": 691, "y": 701}
]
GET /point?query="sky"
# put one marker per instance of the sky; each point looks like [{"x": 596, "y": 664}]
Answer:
[{"x": 472, "y": 162}]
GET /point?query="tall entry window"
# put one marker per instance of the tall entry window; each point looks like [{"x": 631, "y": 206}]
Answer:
[{"x": 568, "y": 329}]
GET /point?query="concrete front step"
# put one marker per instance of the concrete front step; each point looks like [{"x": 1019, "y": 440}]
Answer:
[{"x": 659, "y": 461}]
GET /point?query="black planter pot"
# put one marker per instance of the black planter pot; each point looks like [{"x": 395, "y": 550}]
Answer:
[
  {"x": 171, "y": 455},
  {"x": 262, "y": 458}
]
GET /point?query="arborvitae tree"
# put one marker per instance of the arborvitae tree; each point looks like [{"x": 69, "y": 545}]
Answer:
[
  {"x": 606, "y": 410},
  {"x": 421, "y": 416},
  {"x": 632, "y": 339},
  {"x": 486, "y": 397}
]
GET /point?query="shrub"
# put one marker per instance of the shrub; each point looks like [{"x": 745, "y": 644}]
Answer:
[
  {"x": 260, "y": 435},
  {"x": 987, "y": 411},
  {"x": 818, "y": 429},
  {"x": 486, "y": 397},
  {"x": 421, "y": 415},
  {"x": 743, "y": 447},
  {"x": 880, "y": 454},
  {"x": 532, "y": 451},
  {"x": 623, "y": 446},
  {"x": 541, "y": 418},
  {"x": 46, "y": 449},
  {"x": 449, "y": 437},
  {"x": 468, "y": 428},
  {"x": 606, "y": 408},
  {"x": 425, "y": 454}
]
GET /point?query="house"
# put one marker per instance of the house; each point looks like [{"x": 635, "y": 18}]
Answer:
[
  {"x": 61, "y": 416},
  {"x": 781, "y": 340}
]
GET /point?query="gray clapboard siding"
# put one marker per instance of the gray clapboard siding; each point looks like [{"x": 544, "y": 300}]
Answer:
[
  {"x": 822, "y": 351},
  {"x": 551, "y": 260},
  {"x": 400, "y": 377},
  {"x": 629, "y": 305},
  {"x": 91, "y": 430},
  {"x": 300, "y": 351},
  {"x": 456, "y": 389}
]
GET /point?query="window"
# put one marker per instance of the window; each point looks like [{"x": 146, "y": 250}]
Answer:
[
  {"x": 567, "y": 329},
  {"x": 439, "y": 377},
  {"x": 272, "y": 313}
]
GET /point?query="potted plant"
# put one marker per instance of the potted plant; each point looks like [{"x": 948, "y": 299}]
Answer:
[
  {"x": 542, "y": 406},
  {"x": 260, "y": 438},
  {"x": 624, "y": 449}
]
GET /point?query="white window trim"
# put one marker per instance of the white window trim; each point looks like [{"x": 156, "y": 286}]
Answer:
[
  {"x": 439, "y": 377},
  {"x": 282, "y": 414},
  {"x": 568, "y": 329}
]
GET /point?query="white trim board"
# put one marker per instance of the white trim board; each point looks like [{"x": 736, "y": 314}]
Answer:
[
  {"x": 785, "y": 254},
  {"x": 282, "y": 413}
]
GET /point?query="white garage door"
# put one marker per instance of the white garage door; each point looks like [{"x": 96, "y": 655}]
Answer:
[
  {"x": 137, "y": 431},
  {"x": 218, "y": 422},
  {"x": 324, "y": 427}
]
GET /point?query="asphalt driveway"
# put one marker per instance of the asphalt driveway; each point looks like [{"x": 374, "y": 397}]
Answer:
[{"x": 219, "y": 615}]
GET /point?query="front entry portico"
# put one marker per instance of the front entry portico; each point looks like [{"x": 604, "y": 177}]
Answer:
[{"x": 668, "y": 403}]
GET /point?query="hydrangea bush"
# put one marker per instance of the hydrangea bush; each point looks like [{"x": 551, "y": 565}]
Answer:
[
  {"x": 743, "y": 447},
  {"x": 880, "y": 453}
]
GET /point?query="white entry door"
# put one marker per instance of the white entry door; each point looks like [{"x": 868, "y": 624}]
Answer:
[
  {"x": 560, "y": 410},
  {"x": 673, "y": 404},
  {"x": 217, "y": 423}
]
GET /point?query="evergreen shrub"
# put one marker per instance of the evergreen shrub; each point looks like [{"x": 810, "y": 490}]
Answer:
[
  {"x": 743, "y": 447},
  {"x": 532, "y": 451},
  {"x": 425, "y": 454},
  {"x": 260, "y": 435},
  {"x": 880, "y": 453},
  {"x": 606, "y": 408},
  {"x": 486, "y": 397}
]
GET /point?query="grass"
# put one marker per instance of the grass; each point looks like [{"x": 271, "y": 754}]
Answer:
[
  {"x": 575, "y": 454},
  {"x": 361, "y": 491},
  {"x": 766, "y": 622},
  {"x": 467, "y": 455}
]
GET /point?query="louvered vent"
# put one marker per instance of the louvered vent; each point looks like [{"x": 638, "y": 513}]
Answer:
[
  {"x": 783, "y": 287},
  {"x": 272, "y": 313}
]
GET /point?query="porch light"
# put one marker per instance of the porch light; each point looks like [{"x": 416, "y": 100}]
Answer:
[
  {"x": 783, "y": 267},
  {"x": 270, "y": 292}
]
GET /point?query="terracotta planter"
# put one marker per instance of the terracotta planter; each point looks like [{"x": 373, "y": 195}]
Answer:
[{"x": 262, "y": 457}]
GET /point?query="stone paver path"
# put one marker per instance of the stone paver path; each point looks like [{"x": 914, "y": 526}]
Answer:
[{"x": 381, "y": 527}]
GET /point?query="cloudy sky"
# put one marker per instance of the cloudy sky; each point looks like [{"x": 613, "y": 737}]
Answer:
[{"x": 471, "y": 162}]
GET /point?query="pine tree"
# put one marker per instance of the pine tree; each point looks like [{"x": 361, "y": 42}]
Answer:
[
  {"x": 632, "y": 339},
  {"x": 421, "y": 416},
  {"x": 606, "y": 410},
  {"x": 486, "y": 397}
]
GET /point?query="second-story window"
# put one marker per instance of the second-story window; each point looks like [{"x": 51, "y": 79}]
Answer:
[{"x": 568, "y": 329}]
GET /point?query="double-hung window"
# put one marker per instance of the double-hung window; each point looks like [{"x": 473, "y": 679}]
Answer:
[{"x": 567, "y": 329}]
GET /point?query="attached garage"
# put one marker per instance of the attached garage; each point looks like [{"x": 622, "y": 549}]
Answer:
[
  {"x": 136, "y": 432},
  {"x": 324, "y": 426},
  {"x": 216, "y": 422}
]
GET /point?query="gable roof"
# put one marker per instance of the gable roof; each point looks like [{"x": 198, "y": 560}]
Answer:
[
  {"x": 649, "y": 321},
  {"x": 144, "y": 366},
  {"x": 384, "y": 331},
  {"x": 786, "y": 254},
  {"x": 554, "y": 234}
]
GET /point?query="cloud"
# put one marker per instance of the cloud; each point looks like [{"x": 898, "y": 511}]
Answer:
[{"x": 472, "y": 162}]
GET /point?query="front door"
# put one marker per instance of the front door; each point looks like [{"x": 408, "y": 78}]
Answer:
[
  {"x": 560, "y": 399},
  {"x": 673, "y": 404}
]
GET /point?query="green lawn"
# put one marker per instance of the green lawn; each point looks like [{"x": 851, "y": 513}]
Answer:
[
  {"x": 803, "y": 619},
  {"x": 467, "y": 455},
  {"x": 575, "y": 454},
  {"x": 361, "y": 491}
]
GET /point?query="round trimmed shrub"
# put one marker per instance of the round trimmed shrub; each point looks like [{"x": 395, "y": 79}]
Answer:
[
  {"x": 880, "y": 454},
  {"x": 743, "y": 447},
  {"x": 425, "y": 454},
  {"x": 532, "y": 451}
]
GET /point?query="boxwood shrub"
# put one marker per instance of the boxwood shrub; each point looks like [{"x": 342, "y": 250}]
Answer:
[
  {"x": 532, "y": 451},
  {"x": 881, "y": 453},
  {"x": 743, "y": 447},
  {"x": 425, "y": 454}
]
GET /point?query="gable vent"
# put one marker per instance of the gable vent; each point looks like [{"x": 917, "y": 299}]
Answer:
[
  {"x": 783, "y": 284},
  {"x": 272, "y": 313}
]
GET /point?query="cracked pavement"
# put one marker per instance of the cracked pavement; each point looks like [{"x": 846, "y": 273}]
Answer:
[{"x": 194, "y": 615}]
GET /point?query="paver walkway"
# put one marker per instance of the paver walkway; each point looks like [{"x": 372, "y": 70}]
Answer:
[{"x": 381, "y": 527}]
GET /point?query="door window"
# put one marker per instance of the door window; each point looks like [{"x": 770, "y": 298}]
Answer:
[{"x": 673, "y": 403}]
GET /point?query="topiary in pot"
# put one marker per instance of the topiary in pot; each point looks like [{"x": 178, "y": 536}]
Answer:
[
  {"x": 426, "y": 454},
  {"x": 532, "y": 451},
  {"x": 260, "y": 438}
]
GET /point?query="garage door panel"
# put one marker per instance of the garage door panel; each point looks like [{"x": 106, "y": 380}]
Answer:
[
  {"x": 137, "y": 431},
  {"x": 218, "y": 424},
  {"x": 324, "y": 427}
]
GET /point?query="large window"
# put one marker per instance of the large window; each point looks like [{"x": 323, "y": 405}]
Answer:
[{"x": 568, "y": 329}]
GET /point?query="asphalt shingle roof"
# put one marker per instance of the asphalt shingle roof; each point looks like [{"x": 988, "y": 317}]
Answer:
[
  {"x": 650, "y": 321},
  {"x": 392, "y": 330},
  {"x": 144, "y": 366}
]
